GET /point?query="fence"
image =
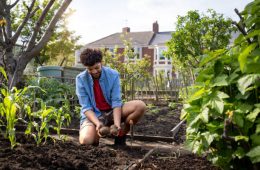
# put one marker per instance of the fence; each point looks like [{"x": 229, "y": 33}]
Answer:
[{"x": 156, "y": 90}]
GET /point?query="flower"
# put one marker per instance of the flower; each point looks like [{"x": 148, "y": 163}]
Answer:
[
  {"x": 229, "y": 113},
  {"x": 2, "y": 22}
]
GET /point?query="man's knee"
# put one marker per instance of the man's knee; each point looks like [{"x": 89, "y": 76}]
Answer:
[
  {"x": 141, "y": 106},
  {"x": 88, "y": 135},
  {"x": 86, "y": 140}
]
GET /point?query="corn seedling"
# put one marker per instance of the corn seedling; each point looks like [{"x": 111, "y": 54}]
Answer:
[
  {"x": 8, "y": 109},
  {"x": 60, "y": 116},
  {"x": 44, "y": 115}
]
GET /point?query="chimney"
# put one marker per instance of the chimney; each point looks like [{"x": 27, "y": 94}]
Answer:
[
  {"x": 155, "y": 27},
  {"x": 126, "y": 30}
]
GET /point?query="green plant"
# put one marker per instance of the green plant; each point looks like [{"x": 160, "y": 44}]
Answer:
[
  {"x": 53, "y": 92},
  {"x": 8, "y": 111},
  {"x": 60, "y": 116},
  {"x": 223, "y": 111},
  {"x": 172, "y": 105},
  {"x": 9, "y": 107},
  {"x": 132, "y": 69},
  {"x": 196, "y": 33},
  {"x": 40, "y": 122}
]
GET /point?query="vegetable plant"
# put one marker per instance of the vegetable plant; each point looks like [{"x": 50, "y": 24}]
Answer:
[
  {"x": 39, "y": 125},
  {"x": 60, "y": 116},
  {"x": 222, "y": 112},
  {"x": 9, "y": 107}
]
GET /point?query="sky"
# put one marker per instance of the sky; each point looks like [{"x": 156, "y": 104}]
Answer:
[{"x": 95, "y": 19}]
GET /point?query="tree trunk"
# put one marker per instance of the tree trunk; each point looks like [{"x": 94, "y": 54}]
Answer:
[
  {"x": 15, "y": 77},
  {"x": 15, "y": 66}
]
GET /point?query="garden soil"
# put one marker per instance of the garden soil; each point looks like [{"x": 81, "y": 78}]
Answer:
[{"x": 71, "y": 155}]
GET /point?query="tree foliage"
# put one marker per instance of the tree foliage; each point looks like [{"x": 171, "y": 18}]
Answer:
[
  {"x": 223, "y": 111},
  {"x": 61, "y": 48},
  {"x": 195, "y": 35},
  {"x": 35, "y": 28},
  {"x": 127, "y": 64}
]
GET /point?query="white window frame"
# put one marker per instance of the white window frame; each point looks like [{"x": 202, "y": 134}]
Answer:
[
  {"x": 160, "y": 53},
  {"x": 138, "y": 52}
]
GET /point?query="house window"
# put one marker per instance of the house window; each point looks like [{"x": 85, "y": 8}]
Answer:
[
  {"x": 137, "y": 54},
  {"x": 111, "y": 50},
  {"x": 161, "y": 51},
  {"x": 155, "y": 54}
]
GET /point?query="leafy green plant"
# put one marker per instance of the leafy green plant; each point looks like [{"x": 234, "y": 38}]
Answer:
[
  {"x": 39, "y": 122},
  {"x": 223, "y": 111},
  {"x": 54, "y": 92},
  {"x": 8, "y": 111},
  {"x": 60, "y": 116},
  {"x": 9, "y": 107},
  {"x": 133, "y": 68},
  {"x": 172, "y": 105}
]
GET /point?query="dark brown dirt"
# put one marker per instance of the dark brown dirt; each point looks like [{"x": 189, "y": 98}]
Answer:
[
  {"x": 159, "y": 121},
  {"x": 71, "y": 155}
]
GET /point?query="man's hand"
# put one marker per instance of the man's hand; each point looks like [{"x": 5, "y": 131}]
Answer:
[
  {"x": 98, "y": 125},
  {"x": 116, "y": 131}
]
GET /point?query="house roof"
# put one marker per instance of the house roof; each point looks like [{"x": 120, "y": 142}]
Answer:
[
  {"x": 136, "y": 38},
  {"x": 161, "y": 38}
]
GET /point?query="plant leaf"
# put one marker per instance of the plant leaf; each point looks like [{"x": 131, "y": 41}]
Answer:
[
  {"x": 246, "y": 81},
  {"x": 242, "y": 58},
  {"x": 205, "y": 115},
  {"x": 245, "y": 138},
  {"x": 238, "y": 119},
  {"x": 220, "y": 80},
  {"x": 252, "y": 116},
  {"x": 254, "y": 154},
  {"x": 3, "y": 72},
  {"x": 257, "y": 129}
]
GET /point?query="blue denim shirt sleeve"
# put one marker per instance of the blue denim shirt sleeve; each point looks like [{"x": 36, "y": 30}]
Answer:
[
  {"x": 83, "y": 97},
  {"x": 116, "y": 93}
]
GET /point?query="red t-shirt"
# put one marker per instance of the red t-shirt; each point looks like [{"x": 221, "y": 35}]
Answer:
[{"x": 99, "y": 97}]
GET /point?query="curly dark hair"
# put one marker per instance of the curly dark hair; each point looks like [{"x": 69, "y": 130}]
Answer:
[{"x": 90, "y": 57}]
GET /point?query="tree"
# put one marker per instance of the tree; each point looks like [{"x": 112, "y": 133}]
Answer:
[
  {"x": 15, "y": 63},
  {"x": 195, "y": 35},
  {"x": 61, "y": 48},
  {"x": 132, "y": 69}
]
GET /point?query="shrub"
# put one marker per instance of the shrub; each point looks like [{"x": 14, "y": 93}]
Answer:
[{"x": 223, "y": 111}]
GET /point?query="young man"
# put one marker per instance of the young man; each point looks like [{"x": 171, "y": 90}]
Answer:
[{"x": 98, "y": 90}]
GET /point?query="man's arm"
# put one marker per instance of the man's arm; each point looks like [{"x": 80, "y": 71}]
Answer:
[
  {"x": 117, "y": 102},
  {"x": 92, "y": 117},
  {"x": 117, "y": 111}
]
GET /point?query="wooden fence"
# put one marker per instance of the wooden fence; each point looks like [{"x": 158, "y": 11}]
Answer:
[{"x": 155, "y": 90}]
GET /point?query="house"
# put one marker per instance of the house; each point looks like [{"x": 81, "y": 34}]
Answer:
[{"x": 151, "y": 43}]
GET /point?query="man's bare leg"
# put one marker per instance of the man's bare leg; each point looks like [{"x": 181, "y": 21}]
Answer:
[
  {"x": 132, "y": 110},
  {"x": 88, "y": 135}
]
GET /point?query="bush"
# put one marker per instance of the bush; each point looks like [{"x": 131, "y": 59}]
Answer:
[{"x": 223, "y": 111}]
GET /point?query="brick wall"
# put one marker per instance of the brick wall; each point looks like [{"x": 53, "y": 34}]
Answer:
[{"x": 149, "y": 52}]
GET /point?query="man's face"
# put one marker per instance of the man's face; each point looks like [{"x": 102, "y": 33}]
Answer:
[{"x": 95, "y": 70}]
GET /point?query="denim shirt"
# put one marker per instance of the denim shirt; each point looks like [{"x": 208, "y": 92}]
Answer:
[{"x": 110, "y": 84}]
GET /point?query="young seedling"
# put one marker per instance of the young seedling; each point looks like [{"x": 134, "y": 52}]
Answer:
[
  {"x": 60, "y": 117},
  {"x": 42, "y": 128},
  {"x": 8, "y": 109}
]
